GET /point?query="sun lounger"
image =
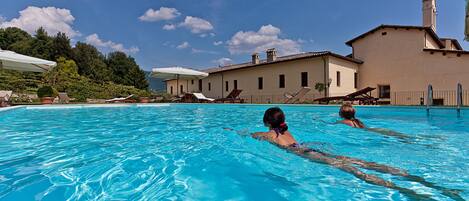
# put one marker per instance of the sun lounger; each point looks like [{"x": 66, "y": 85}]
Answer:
[
  {"x": 196, "y": 98},
  {"x": 178, "y": 99},
  {"x": 233, "y": 97},
  {"x": 362, "y": 96},
  {"x": 295, "y": 98},
  {"x": 202, "y": 97},
  {"x": 120, "y": 100},
  {"x": 5, "y": 98},
  {"x": 63, "y": 98}
]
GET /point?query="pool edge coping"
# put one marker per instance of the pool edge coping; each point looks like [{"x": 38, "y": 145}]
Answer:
[{"x": 80, "y": 106}]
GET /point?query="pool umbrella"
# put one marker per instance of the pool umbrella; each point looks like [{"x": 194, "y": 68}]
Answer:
[
  {"x": 177, "y": 73},
  {"x": 14, "y": 61}
]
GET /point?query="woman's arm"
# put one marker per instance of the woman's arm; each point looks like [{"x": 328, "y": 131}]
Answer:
[{"x": 259, "y": 136}]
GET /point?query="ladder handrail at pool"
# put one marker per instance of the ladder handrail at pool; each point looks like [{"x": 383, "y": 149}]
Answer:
[
  {"x": 459, "y": 98},
  {"x": 429, "y": 98}
]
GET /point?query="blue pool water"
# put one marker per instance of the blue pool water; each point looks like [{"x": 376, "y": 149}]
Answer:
[{"x": 183, "y": 152}]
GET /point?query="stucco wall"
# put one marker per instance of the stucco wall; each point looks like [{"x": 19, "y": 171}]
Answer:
[
  {"x": 248, "y": 78},
  {"x": 430, "y": 42},
  {"x": 347, "y": 71},
  {"x": 397, "y": 59},
  {"x": 390, "y": 59},
  {"x": 444, "y": 71},
  {"x": 185, "y": 83}
]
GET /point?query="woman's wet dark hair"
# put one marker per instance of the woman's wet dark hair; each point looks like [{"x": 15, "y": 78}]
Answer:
[
  {"x": 275, "y": 118},
  {"x": 348, "y": 112}
]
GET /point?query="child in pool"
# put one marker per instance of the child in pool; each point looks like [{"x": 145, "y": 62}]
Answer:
[
  {"x": 278, "y": 134},
  {"x": 347, "y": 112}
]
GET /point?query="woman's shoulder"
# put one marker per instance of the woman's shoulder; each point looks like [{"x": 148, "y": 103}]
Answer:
[{"x": 347, "y": 122}]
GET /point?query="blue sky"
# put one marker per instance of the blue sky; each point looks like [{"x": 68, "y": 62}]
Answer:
[{"x": 206, "y": 32}]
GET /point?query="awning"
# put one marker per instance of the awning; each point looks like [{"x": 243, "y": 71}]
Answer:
[
  {"x": 177, "y": 73},
  {"x": 14, "y": 61}
]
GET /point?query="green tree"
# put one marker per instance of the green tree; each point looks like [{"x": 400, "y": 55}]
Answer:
[
  {"x": 91, "y": 63},
  {"x": 64, "y": 71},
  {"x": 61, "y": 46},
  {"x": 15, "y": 39},
  {"x": 126, "y": 71},
  {"x": 42, "y": 45}
]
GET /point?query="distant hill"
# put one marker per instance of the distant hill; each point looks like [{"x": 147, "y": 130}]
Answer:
[{"x": 155, "y": 84}]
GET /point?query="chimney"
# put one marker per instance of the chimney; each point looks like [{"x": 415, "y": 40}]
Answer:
[
  {"x": 429, "y": 14},
  {"x": 448, "y": 44},
  {"x": 255, "y": 58},
  {"x": 271, "y": 55}
]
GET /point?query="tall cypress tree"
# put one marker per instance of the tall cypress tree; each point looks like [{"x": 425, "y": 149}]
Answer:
[
  {"x": 61, "y": 46},
  {"x": 41, "y": 45}
]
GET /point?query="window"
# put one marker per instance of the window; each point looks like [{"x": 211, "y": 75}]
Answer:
[
  {"x": 384, "y": 91},
  {"x": 281, "y": 81},
  {"x": 338, "y": 78},
  {"x": 260, "y": 83},
  {"x": 355, "y": 80},
  {"x": 438, "y": 101},
  {"x": 171, "y": 90},
  {"x": 226, "y": 85},
  {"x": 200, "y": 85},
  {"x": 182, "y": 89},
  {"x": 192, "y": 82},
  {"x": 235, "y": 84},
  {"x": 304, "y": 79},
  {"x": 209, "y": 86}
]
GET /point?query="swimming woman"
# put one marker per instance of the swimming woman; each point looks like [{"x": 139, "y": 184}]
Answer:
[
  {"x": 278, "y": 134},
  {"x": 347, "y": 113}
]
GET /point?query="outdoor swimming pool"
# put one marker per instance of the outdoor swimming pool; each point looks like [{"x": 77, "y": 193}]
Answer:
[{"x": 182, "y": 152}]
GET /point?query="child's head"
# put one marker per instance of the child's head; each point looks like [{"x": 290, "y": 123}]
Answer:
[
  {"x": 347, "y": 111},
  {"x": 274, "y": 118}
]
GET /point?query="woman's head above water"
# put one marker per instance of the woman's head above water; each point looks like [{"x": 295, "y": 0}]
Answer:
[
  {"x": 347, "y": 111},
  {"x": 274, "y": 118}
]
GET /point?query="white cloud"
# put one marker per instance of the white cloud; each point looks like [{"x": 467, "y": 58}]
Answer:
[
  {"x": 169, "y": 27},
  {"x": 217, "y": 43},
  {"x": 196, "y": 25},
  {"x": 52, "y": 19},
  {"x": 266, "y": 37},
  {"x": 183, "y": 45},
  {"x": 94, "y": 39},
  {"x": 207, "y": 34},
  {"x": 223, "y": 61},
  {"x": 199, "y": 51},
  {"x": 163, "y": 13}
]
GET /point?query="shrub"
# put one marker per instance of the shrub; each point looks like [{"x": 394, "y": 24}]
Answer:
[{"x": 46, "y": 91}]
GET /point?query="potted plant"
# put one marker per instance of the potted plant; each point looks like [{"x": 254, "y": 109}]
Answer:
[
  {"x": 47, "y": 94},
  {"x": 144, "y": 100},
  {"x": 144, "y": 97}
]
